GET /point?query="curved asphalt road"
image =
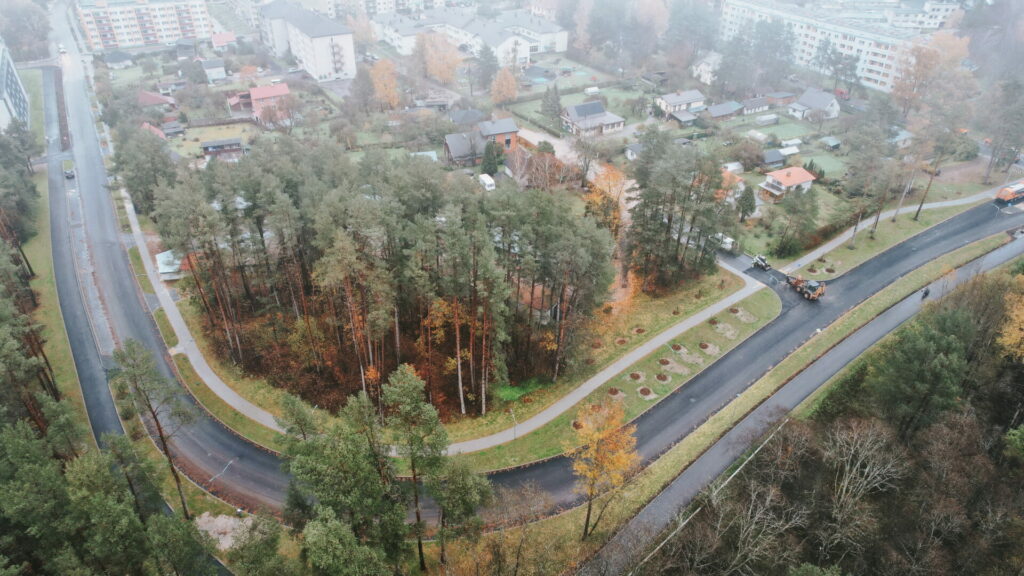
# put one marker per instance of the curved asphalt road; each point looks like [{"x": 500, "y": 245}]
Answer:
[{"x": 247, "y": 475}]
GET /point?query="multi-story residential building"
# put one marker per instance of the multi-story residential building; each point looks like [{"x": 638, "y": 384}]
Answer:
[
  {"x": 321, "y": 46},
  {"x": 111, "y": 24},
  {"x": 13, "y": 98},
  {"x": 864, "y": 34},
  {"x": 514, "y": 35}
]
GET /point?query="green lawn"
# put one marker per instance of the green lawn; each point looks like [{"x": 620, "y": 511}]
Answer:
[
  {"x": 660, "y": 372},
  {"x": 845, "y": 258},
  {"x": 617, "y": 99},
  {"x": 834, "y": 166},
  {"x": 222, "y": 411},
  {"x": 140, "y": 270},
  {"x": 32, "y": 79},
  {"x": 583, "y": 75},
  {"x": 48, "y": 314},
  {"x": 128, "y": 77},
  {"x": 160, "y": 315},
  {"x": 756, "y": 239},
  {"x": 188, "y": 146}
]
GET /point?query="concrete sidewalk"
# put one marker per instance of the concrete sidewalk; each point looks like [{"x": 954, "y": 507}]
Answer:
[
  {"x": 570, "y": 400},
  {"x": 845, "y": 236},
  {"x": 186, "y": 344}
]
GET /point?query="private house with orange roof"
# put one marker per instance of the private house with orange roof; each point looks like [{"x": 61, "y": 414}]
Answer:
[
  {"x": 153, "y": 130},
  {"x": 223, "y": 40},
  {"x": 266, "y": 100},
  {"x": 781, "y": 182}
]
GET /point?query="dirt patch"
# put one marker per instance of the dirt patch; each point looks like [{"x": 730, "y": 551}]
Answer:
[
  {"x": 745, "y": 317},
  {"x": 616, "y": 393},
  {"x": 687, "y": 356},
  {"x": 710, "y": 349},
  {"x": 727, "y": 330},
  {"x": 676, "y": 368},
  {"x": 646, "y": 393},
  {"x": 662, "y": 377},
  {"x": 221, "y": 528},
  {"x": 635, "y": 377},
  {"x": 621, "y": 341}
]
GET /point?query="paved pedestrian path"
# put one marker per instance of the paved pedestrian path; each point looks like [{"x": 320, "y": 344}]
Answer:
[
  {"x": 187, "y": 344},
  {"x": 845, "y": 236},
  {"x": 567, "y": 402}
]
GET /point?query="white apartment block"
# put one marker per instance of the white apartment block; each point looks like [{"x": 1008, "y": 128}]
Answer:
[
  {"x": 13, "y": 98},
  {"x": 111, "y": 24},
  {"x": 514, "y": 35},
  {"x": 322, "y": 47},
  {"x": 875, "y": 43}
]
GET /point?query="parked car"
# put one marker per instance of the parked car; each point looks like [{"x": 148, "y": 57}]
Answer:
[{"x": 69, "y": 174}]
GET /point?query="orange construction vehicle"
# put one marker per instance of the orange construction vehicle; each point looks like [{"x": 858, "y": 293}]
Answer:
[
  {"x": 809, "y": 289},
  {"x": 1012, "y": 193}
]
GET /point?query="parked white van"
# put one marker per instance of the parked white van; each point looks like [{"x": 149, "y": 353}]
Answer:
[
  {"x": 486, "y": 181},
  {"x": 592, "y": 91}
]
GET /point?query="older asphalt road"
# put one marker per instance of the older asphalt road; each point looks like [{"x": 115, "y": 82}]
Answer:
[
  {"x": 252, "y": 477},
  {"x": 245, "y": 473}
]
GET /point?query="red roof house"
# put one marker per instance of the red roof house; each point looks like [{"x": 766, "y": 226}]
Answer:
[
  {"x": 265, "y": 101},
  {"x": 153, "y": 130},
  {"x": 223, "y": 40},
  {"x": 780, "y": 182},
  {"x": 148, "y": 99}
]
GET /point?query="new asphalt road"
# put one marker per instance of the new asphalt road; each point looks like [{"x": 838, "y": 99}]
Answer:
[{"x": 250, "y": 476}]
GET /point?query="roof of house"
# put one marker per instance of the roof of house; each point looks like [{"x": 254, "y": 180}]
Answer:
[
  {"x": 751, "y": 103},
  {"x": 153, "y": 130},
  {"x": 116, "y": 57},
  {"x": 733, "y": 166},
  {"x": 168, "y": 263},
  {"x": 791, "y": 142},
  {"x": 682, "y": 98},
  {"x": 773, "y": 156},
  {"x": 780, "y": 95},
  {"x": 466, "y": 117},
  {"x": 212, "y": 63},
  {"x": 269, "y": 91},
  {"x": 223, "y": 39},
  {"x": 494, "y": 30},
  {"x": 636, "y": 148},
  {"x": 724, "y": 109},
  {"x": 713, "y": 59},
  {"x": 223, "y": 142},
  {"x": 172, "y": 127},
  {"x": 792, "y": 176},
  {"x": 830, "y": 141},
  {"x": 306, "y": 21},
  {"x": 146, "y": 99},
  {"x": 789, "y": 150},
  {"x": 901, "y": 135},
  {"x": 815, "y": 99},
  {"x": 465, "y": 144},
  {"x": 591, "y": 115},
  {"x": 490, "y": 128},
  {"x": 684, "y": 116}
]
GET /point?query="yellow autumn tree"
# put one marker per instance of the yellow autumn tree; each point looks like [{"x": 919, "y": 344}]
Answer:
[
  {"x": 440, "y": 58},
  {"x": 385, "y": 83},
  {"x": 602, "y": 201},
  {"x": 1011, "y": 335},
  {"x": 503, "y": 89},
  {"x": 606, "y": 457}
]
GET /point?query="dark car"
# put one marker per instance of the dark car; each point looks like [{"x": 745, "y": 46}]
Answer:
[{"x": 69, "y": 174}]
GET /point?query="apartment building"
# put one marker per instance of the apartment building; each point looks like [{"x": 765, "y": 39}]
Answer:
[
  {"x": 13, "y": 98},
  {"x": 321, "y": 46},
  {"x": 113, "y": 24},
  {"x": 514, "y": 35},
  {"x": 864, "y": 34}
]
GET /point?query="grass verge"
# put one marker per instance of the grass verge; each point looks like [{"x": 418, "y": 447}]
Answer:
[
  {"x": 140, "y": 270},
  {"x": 223, "y": 411},
  {"x": 32, "y": 79},
  {"x": 843, "y": 259},
  {"x": 48, "y": 314},
  {"x": 564, "y": 529},
  {"x": 165, "y": 327},
  {"x": 677, "y": 368}
]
